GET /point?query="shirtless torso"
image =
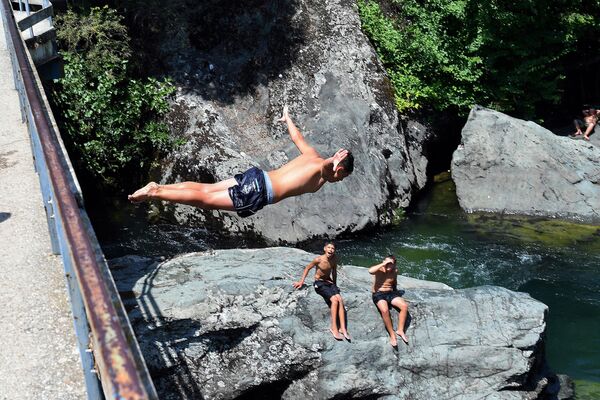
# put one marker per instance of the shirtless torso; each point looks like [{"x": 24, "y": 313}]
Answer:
[
  {"x": 326, "y": 268},
  {"x": 385, "y": 280},
  {"x": 290, "y": 180},
  {"x": 325, "y": 265}
]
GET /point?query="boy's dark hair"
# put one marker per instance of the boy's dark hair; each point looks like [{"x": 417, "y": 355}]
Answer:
[
  {"x": 393, "y": 257},
  {"x": 348, "y": 163},
  {"x": 329, "y": 243}
]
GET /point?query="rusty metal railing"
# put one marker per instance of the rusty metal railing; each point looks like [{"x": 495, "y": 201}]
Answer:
[{"x": 113, "y": 365}]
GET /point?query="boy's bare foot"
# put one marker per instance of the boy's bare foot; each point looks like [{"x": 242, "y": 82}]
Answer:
[
  {"x": 403, "y": 336},
  {"x": 393, "y": 341},
  {"x": 284, "y": 115},
  {"x": 143, "y": 193},
  {"x": 345, "y": 334},
  {"x": 336, "y": 334},
  {"x": 586, "y": 138}
]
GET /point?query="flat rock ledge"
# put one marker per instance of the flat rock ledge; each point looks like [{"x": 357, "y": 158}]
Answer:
[
  {"x": 227, "y": 324},
  {"x": 513, "y": 166}
]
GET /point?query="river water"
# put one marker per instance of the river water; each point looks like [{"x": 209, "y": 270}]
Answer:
[{"x": 555, "y": 262}]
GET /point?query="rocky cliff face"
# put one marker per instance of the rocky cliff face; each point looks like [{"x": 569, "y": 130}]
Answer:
[
  {"x": 228, "y": 324},
  {"x": 237, "y": 63},
  {"x": 512, "y": 166}
]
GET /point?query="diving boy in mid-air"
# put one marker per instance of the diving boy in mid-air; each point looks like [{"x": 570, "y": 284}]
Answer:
[{"x": 249, "y": 192}]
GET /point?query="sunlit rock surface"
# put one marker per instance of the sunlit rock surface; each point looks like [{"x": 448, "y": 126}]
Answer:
[
  {"x": 237, "y": 63},
  {"x": 517, "y": 167},
  {"x": 227, "y": 324}
]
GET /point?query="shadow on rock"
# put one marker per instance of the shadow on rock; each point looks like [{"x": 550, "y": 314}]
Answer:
[{"x": 221, "y": 49}]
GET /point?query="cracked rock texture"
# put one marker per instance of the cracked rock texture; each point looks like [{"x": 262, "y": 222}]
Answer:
[
  {"x": 237, "y": 63},
  {"x": 227, "y": 324},
  {"x": 512, "y": 166}
]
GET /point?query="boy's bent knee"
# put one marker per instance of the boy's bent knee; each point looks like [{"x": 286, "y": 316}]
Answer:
[
  {"x": 382, "y": 306},
  {"x": 400, "y": 303}
]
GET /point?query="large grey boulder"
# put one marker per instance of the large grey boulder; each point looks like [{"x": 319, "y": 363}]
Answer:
[
  {"x": 311, "y": 55},
  {"x": 228, "y": 324},
  {"x": 512, "y": 166}
]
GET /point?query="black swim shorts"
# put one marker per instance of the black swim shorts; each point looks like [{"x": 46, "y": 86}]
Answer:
[
  {"x": 387, "y": 296},
  {"x": 250, "y": 193},
  {"x": 326, "y": 289}
]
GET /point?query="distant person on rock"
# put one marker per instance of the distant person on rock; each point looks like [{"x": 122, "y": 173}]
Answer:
[
  {"x": 386, "y": 295},
  {"x": 325, "y": 285},
  {"x": 589, "y": 122},
  {"x": 249, "y": 192}
]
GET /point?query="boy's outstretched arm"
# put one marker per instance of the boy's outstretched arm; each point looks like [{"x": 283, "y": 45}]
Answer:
[
  {"x": 299, "y": 284},
  {"x": 295, "y": 134}
]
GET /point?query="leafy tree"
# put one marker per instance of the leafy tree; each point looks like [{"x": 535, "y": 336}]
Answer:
[
  {"x": 506, "y": 54},
  {"x": 113, "y": 122},
  {"x": 430, "y": 58}
]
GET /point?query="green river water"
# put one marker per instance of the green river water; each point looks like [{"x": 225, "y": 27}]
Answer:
[{"x": 555, "y": 262}]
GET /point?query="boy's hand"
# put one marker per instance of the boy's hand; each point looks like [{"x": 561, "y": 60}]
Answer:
[
  {"x": 298, "y": 285},
  {"x": 339, "y": 157},
  {"x": 285, "y": 115}
]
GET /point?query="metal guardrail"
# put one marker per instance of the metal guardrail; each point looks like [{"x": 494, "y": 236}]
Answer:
[{"x": 112, "y": 362}]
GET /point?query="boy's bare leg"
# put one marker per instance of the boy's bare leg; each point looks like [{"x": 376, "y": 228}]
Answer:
[
  {"x": 577, "y": 129},
  {"x": 590, "y": 128},
  {"x": 203, "y": 187},
  {"x": 342, "y": 317},
  {"x": 335, "y": 303},
  {"x": 399, "y": 303},
  {"x": 142, "y": 194},
  {"x": 382, "y": 306},
  {"x": 207, "y": 200}
]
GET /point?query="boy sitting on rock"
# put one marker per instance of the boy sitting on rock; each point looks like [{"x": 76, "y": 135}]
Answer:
[
  {"x": 386, "y": 295},
  {"x": 325, "y": 285}
]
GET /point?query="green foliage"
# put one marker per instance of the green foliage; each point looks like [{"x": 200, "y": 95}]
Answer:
[
  {"x": 431, "y": 59},
  {"x": 100, "y": 37},
  {"x": 113, "y": 122},
  {"x": 398, "y": 216},
  {"x": 454, "y": 53}
]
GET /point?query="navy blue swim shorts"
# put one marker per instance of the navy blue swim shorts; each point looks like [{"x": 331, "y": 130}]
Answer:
[
  {"x": 387, "y": 296},
  {"x": 252, "y": 192},
  {"x": 326, "y": 289}
]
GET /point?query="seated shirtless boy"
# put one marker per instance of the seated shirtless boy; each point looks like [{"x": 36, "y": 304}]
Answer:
[
  {"x": 590, "y": 119},
  {"x": 386, "y": 295},
  {"x": 249, "y": 192},
  {"x": 325, "y": 285}
]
